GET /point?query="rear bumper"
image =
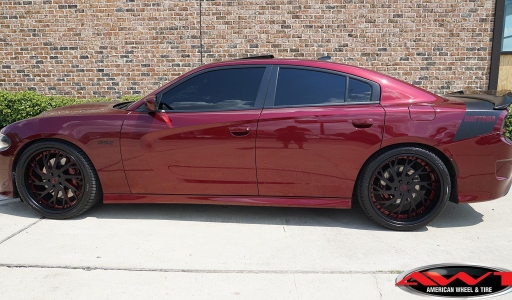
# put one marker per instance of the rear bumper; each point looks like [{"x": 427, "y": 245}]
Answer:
[
  {"x": 485, "y": 168},
  {"x": 469, "y": 190},
  {"x": 6, "y": 186}
]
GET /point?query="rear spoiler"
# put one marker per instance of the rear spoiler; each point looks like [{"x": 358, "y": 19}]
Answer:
[{"x": 500, "y": 102}]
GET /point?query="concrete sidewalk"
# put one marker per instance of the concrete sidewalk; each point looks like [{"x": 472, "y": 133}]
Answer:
[{"x": 216, "y": 252}]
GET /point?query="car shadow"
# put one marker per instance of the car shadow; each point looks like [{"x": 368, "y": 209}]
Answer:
[{"x": 355, "y": 218}]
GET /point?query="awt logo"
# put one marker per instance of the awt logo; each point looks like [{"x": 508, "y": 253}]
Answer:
[{"x": 458, "y": 281}]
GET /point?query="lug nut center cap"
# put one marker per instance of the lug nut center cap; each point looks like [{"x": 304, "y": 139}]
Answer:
[{"x": 403, "y": 188}]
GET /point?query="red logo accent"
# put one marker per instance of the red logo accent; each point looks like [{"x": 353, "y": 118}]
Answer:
[
  {"x": 403, "y": 188},
  {"x": 436, "y": 279}
]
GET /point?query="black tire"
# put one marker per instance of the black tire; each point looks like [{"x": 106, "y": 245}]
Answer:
[
  {"x": 57, "y": 180},
  {"x": 404, "y": 188}
]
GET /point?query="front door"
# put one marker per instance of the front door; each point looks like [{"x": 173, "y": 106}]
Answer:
[{"x": 202, "y": 142}]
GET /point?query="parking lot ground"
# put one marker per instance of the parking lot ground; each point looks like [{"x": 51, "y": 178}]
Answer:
[{"x": 230, "y": 252}]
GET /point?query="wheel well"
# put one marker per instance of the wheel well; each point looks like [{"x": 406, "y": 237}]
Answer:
[
  {"x": 20, "y": 152},
  {"x": 454, "y": 197}
]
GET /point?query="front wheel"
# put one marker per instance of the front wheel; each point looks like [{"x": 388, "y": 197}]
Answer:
[
  {"x": 57, "y": 180},
  {"x": 404, "y": 188}
]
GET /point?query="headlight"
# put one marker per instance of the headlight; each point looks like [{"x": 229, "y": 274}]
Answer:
[{"x": 5, "y": 142}]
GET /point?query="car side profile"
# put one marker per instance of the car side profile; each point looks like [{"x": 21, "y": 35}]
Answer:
[{"x": 267, "y": 132}]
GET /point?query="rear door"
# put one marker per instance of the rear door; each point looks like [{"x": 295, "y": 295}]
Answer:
[
  {"x": 316, "y": 130},
  {"x": 202, "y": 139}
]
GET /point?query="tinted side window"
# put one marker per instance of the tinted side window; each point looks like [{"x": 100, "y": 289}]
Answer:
[
  {"x": 216, "y": 90},
  {"x": 306, "y": 87},
  {"x": 359, "y": 91}
]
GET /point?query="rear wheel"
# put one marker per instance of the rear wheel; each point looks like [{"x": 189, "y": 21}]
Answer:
[
  {"x": 404, "y": 188},
  {"x": 57, "y": 180}
]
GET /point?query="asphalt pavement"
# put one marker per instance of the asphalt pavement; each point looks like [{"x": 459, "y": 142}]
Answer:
[{"x": 228, "y": 252}]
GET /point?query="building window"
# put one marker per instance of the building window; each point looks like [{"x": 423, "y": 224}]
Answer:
[{"x": 506, "y": 44}]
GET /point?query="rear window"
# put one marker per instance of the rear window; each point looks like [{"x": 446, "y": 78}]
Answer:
[{"x": 308, "y": 87}]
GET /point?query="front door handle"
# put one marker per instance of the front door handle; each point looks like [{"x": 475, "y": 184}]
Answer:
[
  {"x": 239, "y": 130},
  {"x": 362, "y": 123}
]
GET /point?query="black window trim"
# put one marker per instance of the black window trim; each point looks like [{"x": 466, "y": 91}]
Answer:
[
  {"x": 271, "y": 94},
  {"x": 258, "y": 104}
]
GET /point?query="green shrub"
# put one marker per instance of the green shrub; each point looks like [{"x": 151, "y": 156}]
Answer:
[
  {"x": 508, "y": 125},
  {"x": 15, "y": 106}
]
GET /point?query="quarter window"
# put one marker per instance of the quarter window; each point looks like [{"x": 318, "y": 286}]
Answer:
[
  {"x": 359, "y": 91},
  {"x": 224, "y": 89},
  {"x": 307, "y": 87}
]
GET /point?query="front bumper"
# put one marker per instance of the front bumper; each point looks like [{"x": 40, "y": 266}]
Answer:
[{"x": 6, "y": 184}]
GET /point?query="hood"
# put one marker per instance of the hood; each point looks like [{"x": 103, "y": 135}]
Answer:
[{"x": 81, "y": 109}]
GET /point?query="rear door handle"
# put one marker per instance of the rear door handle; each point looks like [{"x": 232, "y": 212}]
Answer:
[
  {"x": 362, "y": 123},
  {"x": 239, "y": 130}
]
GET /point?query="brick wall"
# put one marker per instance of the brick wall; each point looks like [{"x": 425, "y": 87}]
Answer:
[{"x": 120, "y": 47}]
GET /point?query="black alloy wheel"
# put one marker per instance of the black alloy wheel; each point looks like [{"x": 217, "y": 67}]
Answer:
[
  {"x": 404, "y": 188},
  {"x": 57, "y": 180}
]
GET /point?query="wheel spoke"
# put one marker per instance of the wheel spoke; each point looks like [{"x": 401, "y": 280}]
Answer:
[
  {"x": 70, "y": 186},
  {"x": 46, "y": 161},
  {"x": 387, "y": 204},
  {"x": 389, "y": 183},
  {"x": 392, "y": 170},
  {"x": 65, "y": 198},
  {"x": 423, "y": 198},
  {"x": 399, "y": 207},
  {"x": 39, "y": 172},
  {"x": 417, "y": 172},
  {"x": 385, "y": 193},
  {"x": 66, "y": 167},
  {"x": 422, "y": 183},
  {"x": 78, "y": 179},
  {"x": 43, "y": 193},
  {"x": 405, "y": 168},
  {"x": 411, "y": 207},
  {"x": 55, "y": 192},
  {"x": 73, "y": 177},
  {"x": 56, "y": 161},
  {"x": 379, "y": 188},
  {"x": 34, "y": 179}
]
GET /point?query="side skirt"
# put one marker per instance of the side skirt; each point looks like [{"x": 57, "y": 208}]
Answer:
[{"x": 230, "y": 200}]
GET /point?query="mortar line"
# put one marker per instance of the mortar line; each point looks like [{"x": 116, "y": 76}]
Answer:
[
  {"x": 21, "y": 230},
  {"x": 234, "y": 271}
]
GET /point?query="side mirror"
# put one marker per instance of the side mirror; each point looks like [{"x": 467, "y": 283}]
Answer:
[{"x": 149, "y": 103}]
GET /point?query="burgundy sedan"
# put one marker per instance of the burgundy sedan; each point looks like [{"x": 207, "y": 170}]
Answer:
[{"x": 266, "y": 131}]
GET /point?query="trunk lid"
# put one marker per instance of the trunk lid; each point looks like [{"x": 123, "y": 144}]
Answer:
[{"x": 499, "y": 102}]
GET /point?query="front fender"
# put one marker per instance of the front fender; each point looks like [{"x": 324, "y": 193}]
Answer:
[{"x": 97, "y": 135}]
